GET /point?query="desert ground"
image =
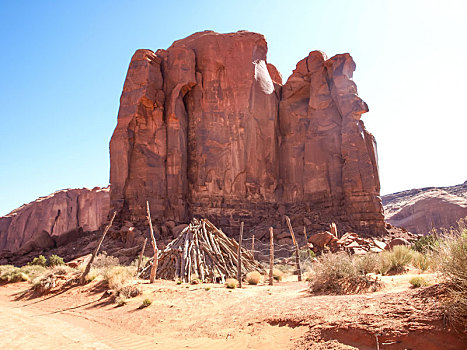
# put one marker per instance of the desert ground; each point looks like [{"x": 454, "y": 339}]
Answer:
[{"x": 210, "y": 316}]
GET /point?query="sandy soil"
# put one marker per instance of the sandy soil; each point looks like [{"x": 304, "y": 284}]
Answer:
[{"x": 284, "y": 316}]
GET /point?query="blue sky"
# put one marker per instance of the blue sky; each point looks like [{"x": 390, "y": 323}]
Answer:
[{"x": 63, "y": 64}]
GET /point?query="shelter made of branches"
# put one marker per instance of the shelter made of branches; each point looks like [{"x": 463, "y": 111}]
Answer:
[{"x": 202, "y": 251}]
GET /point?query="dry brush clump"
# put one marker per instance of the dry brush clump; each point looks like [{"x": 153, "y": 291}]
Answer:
[
  {"x": 341, "y": 274},
  {"x": 253, "y": 277},
  {"x": 451, "y": 258}
]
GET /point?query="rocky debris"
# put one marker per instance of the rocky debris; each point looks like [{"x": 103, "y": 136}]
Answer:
[
  {"x": 353, "y": 243},
  {"x": 61, "y": 216},
  {"x": 421, "y": 210},
  {"x": 206, "y": 129},
  {"x": 395, "y": 242}
]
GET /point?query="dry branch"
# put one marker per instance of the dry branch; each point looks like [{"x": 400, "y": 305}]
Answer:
[{"x": 201, "y": 251}]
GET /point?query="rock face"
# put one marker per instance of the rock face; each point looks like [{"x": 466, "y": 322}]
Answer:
[
  {"x": 420, "y": 210},
  {"x": 48, "y": 219},
  {"x": 206, "y": 129}
]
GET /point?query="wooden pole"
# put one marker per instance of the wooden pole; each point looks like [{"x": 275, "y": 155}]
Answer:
[
  {"x": 306, "y": 237},
  {"x": 239, "y": 257},
  {"x": 155, "y": 261},
  {"x": 297, "y": 251},
  {"x": 140, "y": 258},
  {"x": 93, "y": 256},
  {"x": 253, "y": 245},
  {"x": 271, "y": 256}
]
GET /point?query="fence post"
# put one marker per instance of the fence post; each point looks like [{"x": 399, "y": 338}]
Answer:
[
  {"x": 271, "y": 256},
  {"x": 297, "y": 251},
  {"x": 155, "y": 262},
  {"x": 93, "y": 256},
  {"x": 304, "y": 232},
  {"x": 253, "y": 245},
  {"x": 239, "y": 257}
]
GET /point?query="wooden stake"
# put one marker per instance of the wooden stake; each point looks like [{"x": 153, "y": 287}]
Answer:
[
  {"x": 155, "y": 261},
  {"x": 93, "y": 256},
  {"x": 239, "y": 257},
  {"x": 304, "y": 232},
  {"x": 297, "y": 251},
  {"x": 140, "y": 258},
  {"x": 271, "y": 256},
  {"x": 253, "y": 245}
]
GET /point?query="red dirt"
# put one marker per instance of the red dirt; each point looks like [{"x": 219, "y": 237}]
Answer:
[{"x": 284, "y": 316}]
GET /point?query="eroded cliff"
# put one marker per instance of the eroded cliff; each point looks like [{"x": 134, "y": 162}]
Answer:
[{"x": 206, "y": 128}]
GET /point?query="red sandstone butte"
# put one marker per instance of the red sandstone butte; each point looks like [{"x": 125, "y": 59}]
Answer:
[
  {"x": 41, "y": 223},
  {"x": 206, "y": 128}
]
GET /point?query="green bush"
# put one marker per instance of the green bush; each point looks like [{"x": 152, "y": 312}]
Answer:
[
  {"x": 146, "y": 302},
  {"x": 417, "y": 282},
  {"x": 425, "y": 244},
  {"x": 40, "y": 261},
  {"x": 55, "y": 260},
  {"x": 11, "y": 274}
]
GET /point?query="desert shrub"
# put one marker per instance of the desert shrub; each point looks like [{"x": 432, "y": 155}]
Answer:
[
  {"x": 207, "y": 289},
  {"x": 277, "y": 274},
  {"x": 395, "y": 260},
  {"x": 93, "y": 273},
  {"x": 103, "y": 261},
  {"x": 40, "y": 260},
  {"x": 44, "y": 283},
  {"x": 117, "y": 276},
  {"x": 146, "y": 302},
  {"x": 451, "y": 259},
  {"x": 367, "y": 263},
  {"x": 55, "y": 260},
  {"x": 33, "y": 271},
  {"x": 305, "y": 254},
  {"x": 253, "y": 277},
  {"x": 231, "y": 283},
  {"x": 339, "y": 274},
  {"x": 11, "y": 274},
  {"x": 418, "y": 281},
  {"x": 421, "y": 260},
  {"x": 127, "y": 292},
  {"x": 121, "y": 301},
  {"x": 425, "y": 244}
]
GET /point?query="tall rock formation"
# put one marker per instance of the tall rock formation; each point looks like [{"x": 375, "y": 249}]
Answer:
[
  {"x": 43, "y": 221},
  {"x": 205, "y": 128}
]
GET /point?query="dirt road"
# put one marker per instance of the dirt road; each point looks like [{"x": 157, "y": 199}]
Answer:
[{"x": 284, "y": 316}]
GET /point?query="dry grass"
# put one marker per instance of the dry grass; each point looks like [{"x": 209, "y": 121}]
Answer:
[
  {"x": 277, "y": 274},
  {"x": 231, "y": 283},
  {"x": 341, "y": 274},
  {"x": 11, "y": 274},
  {"x": 451, "y": 257},
  {"x": 253, "y": 277},
  {"x": 418, "y": 282},
  {"x": 118, "y": 276}
]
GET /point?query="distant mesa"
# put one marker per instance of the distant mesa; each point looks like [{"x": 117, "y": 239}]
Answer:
[{"x": 420, "y": 210}]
